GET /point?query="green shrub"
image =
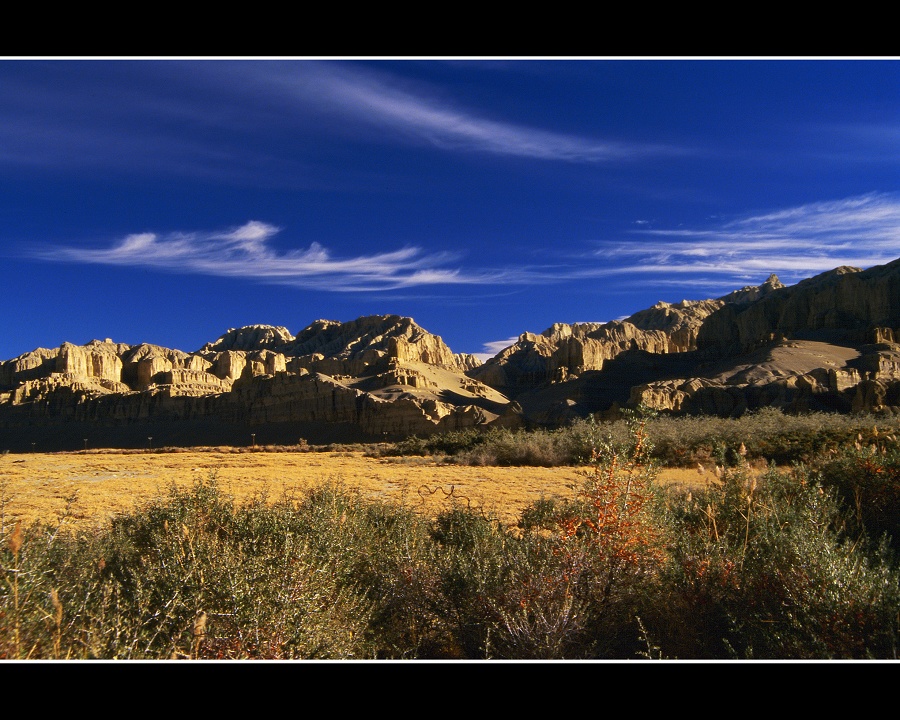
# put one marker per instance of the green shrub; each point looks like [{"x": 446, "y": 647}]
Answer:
[
  {"x": 588, "y": 567},
  {"x": 767, "y": 434},
  {"x": 867, "y": 480},
  {"x": 767, "y": 570},
  {"x": 189, "y": 576}
]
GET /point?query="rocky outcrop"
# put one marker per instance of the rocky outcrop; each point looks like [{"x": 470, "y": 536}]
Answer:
[
  {"x": 367, "y": 378},
  {"x": 718, "y": 342},
  {"x": 827, "y": 343},
  {"x": 196, "y": 383},
  {"x": 349, "y": 349},
  {"x": 37, "y": 363},
  {"x": 227, "y": 364},
  {"x": 320, "y": 398},
  {"x": 681, "y": 322},
  {"x": 97, "y": 359},
  {"x": 369, "y": 344},
  {"x": 263, "y": 362},
  {"x": 250, "y": 337},
  {"x": 312, "y": 401},
  {"x": 752, "y": 293},
  {"x": 36, "y": 391},
  {"x": 845, "y": 304},
  {"x": 565, "y": 351},
  {"x": 866, "y": 380}
]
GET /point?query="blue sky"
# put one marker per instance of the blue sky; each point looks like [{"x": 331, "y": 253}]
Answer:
[{"x": 165, "y": 200}]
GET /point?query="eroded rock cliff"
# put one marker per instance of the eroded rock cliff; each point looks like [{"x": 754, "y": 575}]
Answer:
[
  {"x": 741, "y": 351},
  {"x": 373, "y": 378},
  {"x": 826, "y": 343}
]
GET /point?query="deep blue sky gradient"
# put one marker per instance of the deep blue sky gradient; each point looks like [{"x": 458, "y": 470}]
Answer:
[{"x": 167, "y": 200}]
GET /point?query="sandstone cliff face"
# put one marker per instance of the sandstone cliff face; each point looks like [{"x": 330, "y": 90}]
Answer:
[
  {"x": 250, "y": 337},
  {"x": 846, "y": 307},
  {"x": 681, "y": 322},
  {"x": 227, "y": 364},
  {"x": 847, "y": 301},
  {"x": 37, "y": 363},
  {"x": 563, "y": 351},
  {"x": 95, "y": 360},
  {"x": 310, "y": 400},
  {"x": 321, "y": 398},
  {"x": 829, "y": 342},
  {"x": 144, "y": 365},
  {"x": 353, "y": 348},
  {"x": 869, "y": 381},
  {"x": 752, "y": 293},
  {"x": 259, "y": 375},
  {"x": 370, "y": 342}
]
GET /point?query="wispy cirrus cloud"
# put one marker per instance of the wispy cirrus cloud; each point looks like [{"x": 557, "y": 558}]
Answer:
[
  {"x": 794, "y": 243},
  {"x": 246, "y": 253},
  {"x": 232, "y": 120},
  {"x": 860, "y": 231},
  {"x": 380, "y": 99}
]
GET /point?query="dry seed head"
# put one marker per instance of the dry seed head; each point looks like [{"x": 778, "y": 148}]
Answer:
[
  {"x": 200, "y": 624},
  {"x": 742, "y": 450},
  {"x": 15, "y": 540},
  {"x": 57, "y": 607}
]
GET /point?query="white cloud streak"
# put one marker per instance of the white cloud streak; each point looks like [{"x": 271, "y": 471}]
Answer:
[
  {"x": 379, "y": 100},
  {"x": 245, "y": 252},
  {"x": 160, "y": 117},
  {"x": 794, "y": 243}
]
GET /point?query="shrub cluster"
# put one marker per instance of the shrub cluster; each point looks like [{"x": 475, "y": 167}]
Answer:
[
  {"x": 788, "y": 565},
  {"x": 768, "y": 434}
]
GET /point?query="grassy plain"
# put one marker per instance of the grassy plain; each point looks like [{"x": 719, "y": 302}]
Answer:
[{"x": 96, "y": 485}]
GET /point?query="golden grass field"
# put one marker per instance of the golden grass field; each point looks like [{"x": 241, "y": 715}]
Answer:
[{"x": 38, "y": 486}]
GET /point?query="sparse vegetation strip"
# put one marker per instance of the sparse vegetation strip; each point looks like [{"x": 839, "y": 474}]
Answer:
[{"x": 769, "y": 435}]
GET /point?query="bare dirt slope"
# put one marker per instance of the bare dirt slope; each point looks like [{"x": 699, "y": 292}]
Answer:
[{"x": 788, "y": 359}]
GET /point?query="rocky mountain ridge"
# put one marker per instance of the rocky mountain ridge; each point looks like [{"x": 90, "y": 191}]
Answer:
[{"x": 829, "y": 342}]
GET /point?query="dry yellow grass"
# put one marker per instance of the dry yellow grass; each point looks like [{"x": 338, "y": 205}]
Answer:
[{"x": 104, "y": 484}]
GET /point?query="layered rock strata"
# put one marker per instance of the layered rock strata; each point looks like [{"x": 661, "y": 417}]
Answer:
[
  {"x": 826, "y": 343},
  {"x": 375, "y": 377},
  {"x": 566, "y": 371}
]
